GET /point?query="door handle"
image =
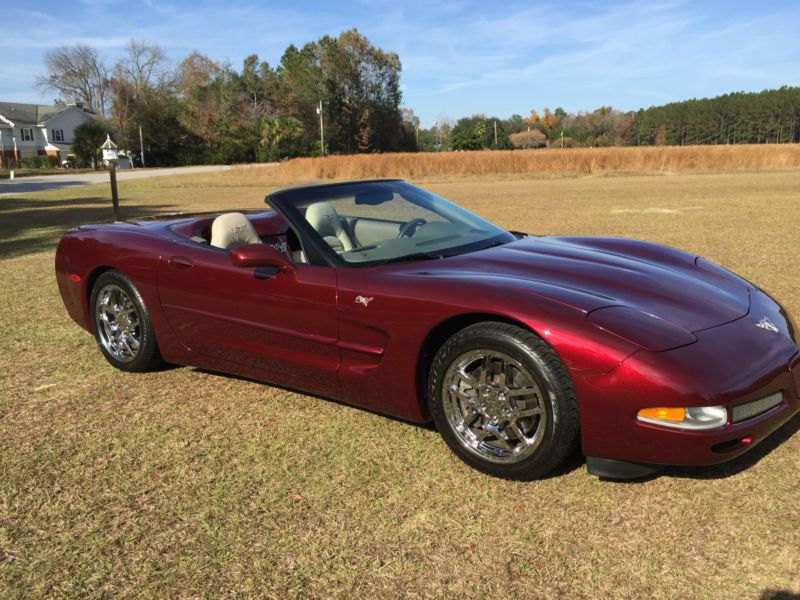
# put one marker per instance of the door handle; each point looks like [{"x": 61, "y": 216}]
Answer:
[{"x": 180, "y": 262}]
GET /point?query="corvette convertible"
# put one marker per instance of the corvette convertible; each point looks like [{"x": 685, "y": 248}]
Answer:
[{"x": 520, "y": 348}]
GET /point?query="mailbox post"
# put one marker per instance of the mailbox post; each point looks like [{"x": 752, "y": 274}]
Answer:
[{"x": 110, "y": 155}]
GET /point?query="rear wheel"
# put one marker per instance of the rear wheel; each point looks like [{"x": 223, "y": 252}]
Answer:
[
  {"x": 503, "y": 401},
  {"x": 122, "y": 324}
]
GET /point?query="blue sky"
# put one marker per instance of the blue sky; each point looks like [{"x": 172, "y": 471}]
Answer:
[{"x": 459, "y": 56}]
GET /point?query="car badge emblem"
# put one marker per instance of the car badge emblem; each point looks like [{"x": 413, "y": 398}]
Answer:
[
  {"x": 765, "y": 323},
  {"x": 363, "y": 300}
]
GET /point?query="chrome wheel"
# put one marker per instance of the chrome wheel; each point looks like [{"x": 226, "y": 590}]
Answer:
[
  {"x": 494, "y": 406},
  {"x": 117, "y": 323}
]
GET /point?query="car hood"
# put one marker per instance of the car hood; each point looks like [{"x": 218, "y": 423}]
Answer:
[{"x": 590, "y": 273}]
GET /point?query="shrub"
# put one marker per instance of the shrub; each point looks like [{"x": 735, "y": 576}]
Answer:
[
  {"x": 31, "y": 162},
  {"x": 40, "y": 162},
  {"x": 529, "y": 139}
]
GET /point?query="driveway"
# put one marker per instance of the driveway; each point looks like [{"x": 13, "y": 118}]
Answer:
[{"x": 24, "y": 185}]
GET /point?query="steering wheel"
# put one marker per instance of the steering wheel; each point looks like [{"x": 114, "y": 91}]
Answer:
[{"x": 410, "y": 228}]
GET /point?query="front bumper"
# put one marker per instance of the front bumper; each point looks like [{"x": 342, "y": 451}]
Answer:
[{"x": 730, "y": 365}]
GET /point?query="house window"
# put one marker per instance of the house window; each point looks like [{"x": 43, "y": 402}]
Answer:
[
  {"x": 58, "y": 135},
  {"x": 27, "y": 134}
]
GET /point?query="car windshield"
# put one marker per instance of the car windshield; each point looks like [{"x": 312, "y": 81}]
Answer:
[{"x": 389, "y": 221}]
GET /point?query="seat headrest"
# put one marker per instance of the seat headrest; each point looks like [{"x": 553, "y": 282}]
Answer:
[
  {"x": 233, "y": 229},
  {"x": 324, "y": 219}
]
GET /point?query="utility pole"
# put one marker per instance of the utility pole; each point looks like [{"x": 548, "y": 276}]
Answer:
[
  {"x": 141, "y": 144},
  {"x": 436, "y": 136},
  {"x": 321, "y": 130},
  {"x": 529, "y": 137},
  {"x": 562, "y": 139},
  {"x": 495, "y": 134}
]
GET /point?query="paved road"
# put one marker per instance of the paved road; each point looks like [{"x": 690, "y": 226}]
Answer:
[{"x": 23, "y": 185}]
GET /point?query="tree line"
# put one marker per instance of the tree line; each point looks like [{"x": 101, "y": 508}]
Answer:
[
  {"x": 203, "y": 111},
  {"x": 770, "y": 116}
]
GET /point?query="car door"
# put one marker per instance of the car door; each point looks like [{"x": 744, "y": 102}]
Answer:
[{"x": 274, "y": 325}]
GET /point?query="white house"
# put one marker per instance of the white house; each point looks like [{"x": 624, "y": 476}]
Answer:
[{"x": 32, "y": 129}]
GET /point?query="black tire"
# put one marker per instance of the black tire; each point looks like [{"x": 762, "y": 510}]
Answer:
[
  {"x": 557, "y": 431},
  {"x": 146, "y": 357}
]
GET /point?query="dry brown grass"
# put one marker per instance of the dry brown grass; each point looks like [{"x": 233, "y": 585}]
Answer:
[
  {"x": 665, "y": 159},
  {"x": 190, "y": 484}
]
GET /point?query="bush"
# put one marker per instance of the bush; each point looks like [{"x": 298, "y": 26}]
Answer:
[
  {"x": 40, "y": 162},
  {"x": 31, "y": 162},
  {"x": 528, "y": 139}
]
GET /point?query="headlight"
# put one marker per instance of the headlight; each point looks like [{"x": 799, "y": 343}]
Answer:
[
  {"x": 642, "y": 329},
  {"x": 693, "y": 417}
]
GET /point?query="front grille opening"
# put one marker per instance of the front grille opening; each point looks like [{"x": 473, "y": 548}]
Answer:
[{"x": 748, "y": 410}]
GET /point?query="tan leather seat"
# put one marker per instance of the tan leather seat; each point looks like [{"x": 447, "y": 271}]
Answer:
[
  {"x": 326, "y": 221},
  {"x": 233, "y": 229}
]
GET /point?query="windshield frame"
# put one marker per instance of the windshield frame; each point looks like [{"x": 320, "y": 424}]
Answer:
[{"x": 285, "y": 202}]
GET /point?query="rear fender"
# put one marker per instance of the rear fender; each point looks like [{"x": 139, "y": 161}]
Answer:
[{"x": 83, "y": 254}]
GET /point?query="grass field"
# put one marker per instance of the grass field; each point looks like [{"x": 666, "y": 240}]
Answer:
[
  {"x": 191, "y": 484},
  {"x": 5, "y": 173},
  {"x": 647, "y": 159}
]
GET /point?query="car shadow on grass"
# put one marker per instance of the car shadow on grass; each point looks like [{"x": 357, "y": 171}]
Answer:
[
  {"x": 732, "y": 467},
  {"x": 743, "y": 462},
  {"x": 779, "y": 595},
  {"x": 575, "y": 461},
  {"x": 28, "y": 226}
]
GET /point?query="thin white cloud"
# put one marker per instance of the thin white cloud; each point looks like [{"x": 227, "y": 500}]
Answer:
[{"x": 464, "y": 55}]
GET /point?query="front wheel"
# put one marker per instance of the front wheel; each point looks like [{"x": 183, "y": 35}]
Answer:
[
  {"x": 503, "y": 401},
  {"x": 122, "y": 324}
]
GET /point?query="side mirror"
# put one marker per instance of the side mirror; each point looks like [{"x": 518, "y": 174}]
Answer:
[{"x": 260, "y": 255}]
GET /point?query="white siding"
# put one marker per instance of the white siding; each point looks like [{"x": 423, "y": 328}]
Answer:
[
  {"x": 67, "y": 120},
  {"x": 28, "y": 148}
]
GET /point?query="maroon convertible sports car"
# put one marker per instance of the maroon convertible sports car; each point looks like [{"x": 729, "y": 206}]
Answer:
[{"x": 520, "y": 348}]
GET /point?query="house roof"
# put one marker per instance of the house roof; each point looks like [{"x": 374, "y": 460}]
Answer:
[{"x": 30, "y": 114}]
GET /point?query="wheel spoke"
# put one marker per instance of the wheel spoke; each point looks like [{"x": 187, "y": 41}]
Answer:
[
  {"x": 498, "y": 434},
  {"x": 484, "y": 370},
  {"x": 501, "y": 439},
  {"x": 524, "y": 391},
  {"x": 467, "y": 378},
  {"x": 124, "y": 341},
  {"x": 528, "y": 412},
  {"x": 469, "y": 417},
  {"x": 519, "y": 434},
  {"x": 462, "y": 394},
  {"x": 500, "y": 380}
]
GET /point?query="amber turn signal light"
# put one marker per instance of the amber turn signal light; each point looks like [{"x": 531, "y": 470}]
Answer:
[
  {"x": 663, "y": 414},
  {"x": 693, "y": 417}
]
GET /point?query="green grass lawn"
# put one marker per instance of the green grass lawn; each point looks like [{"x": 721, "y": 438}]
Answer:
[
  {"x": 183, "y": 483},
  {"x": 6, "y": 173}
]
